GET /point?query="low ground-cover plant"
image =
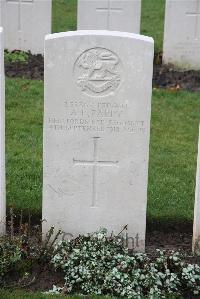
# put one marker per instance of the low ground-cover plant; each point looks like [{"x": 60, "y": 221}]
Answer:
[
  {"x": 10, "y": 254},
  {"x": 16, "y": 56},
  {"x": 96, "y": 265},
  {"x": 100, "y": 265},
  {"x": 17, "y": 257},
  {"x": 21, "y": 253}
]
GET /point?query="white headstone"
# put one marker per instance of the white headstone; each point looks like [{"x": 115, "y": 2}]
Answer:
[
  {"x": 26, "y": 22},
  {"x": 96, "y": 132},
  {"x": 182, "y": 34},
  {"x": 196, "y": 225},
  {"x": 121, "y": 15},
  {"x": 2, "y": 137}
]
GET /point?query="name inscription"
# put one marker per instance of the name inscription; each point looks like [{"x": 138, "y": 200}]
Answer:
[{"x": 96, "y": 117}]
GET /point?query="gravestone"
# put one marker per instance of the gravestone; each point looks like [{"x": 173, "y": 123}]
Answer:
[
  {"x": 2, "y": 137},
  {"x": 182, "y": 34},
  {"x": 196, "y": 225},
  {"x": 96, "y": 132},
  {"x": 26, "y": 22},
  {"x": 120, "y": 15}
]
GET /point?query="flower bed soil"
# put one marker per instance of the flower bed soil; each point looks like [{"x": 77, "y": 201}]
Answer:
[
  {"x": 163, "y": 77},
  {"x": 43, "y": 276},
  {"x": 32, "y": 69},
  {"x": 167, "y": 236}
]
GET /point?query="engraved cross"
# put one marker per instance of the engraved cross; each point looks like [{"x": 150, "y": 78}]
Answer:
[
  {"x": 196, "y": 14},
  {"x": 95, "y": 162},
  {"x": 19, "y": 3},
  {"x": 109, "y": 9}
]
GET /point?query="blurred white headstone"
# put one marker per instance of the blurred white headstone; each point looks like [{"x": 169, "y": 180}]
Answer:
[
  {"x": 2, "y": 137},
  {"x": 182, "y": 34},
  {"x": 116, "y": 15},
  {"x": 26, "y": 22},
  {"x": 196, "y": 225}
]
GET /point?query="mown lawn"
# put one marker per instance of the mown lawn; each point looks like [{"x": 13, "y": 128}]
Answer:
[
  {"x": 173, "y": 154},
  {"x": 22, "y": 295},
  {"x": 152, "y": 19},
  {"x": 174, "y": 134}
]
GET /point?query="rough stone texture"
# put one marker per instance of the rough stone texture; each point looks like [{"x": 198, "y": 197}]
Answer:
[
  {"x": 96, "y": 132},
  {"x": 196, "y": 225},
  {"x": 2, "y": 137},
  {"x": 121, "y": 15},
  {"x": 26, "y": 22},
  {"x": 182, "y": 34}
]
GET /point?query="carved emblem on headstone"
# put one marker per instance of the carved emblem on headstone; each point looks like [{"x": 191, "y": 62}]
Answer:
[{"x": 97, "y": 71}]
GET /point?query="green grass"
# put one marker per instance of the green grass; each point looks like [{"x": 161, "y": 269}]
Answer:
[
  {"x": 22, "y": 295},
  {"x": 24, "y": 106},
  {"x": 64, "y": 14},
  {"x": 173, "y": 153},
  {"x": 152, "y": 19},
  {"x": 173, "y": 150}
]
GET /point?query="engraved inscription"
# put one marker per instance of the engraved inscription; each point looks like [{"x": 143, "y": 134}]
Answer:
[
  {"x": 196, "y": 15},
  {"x": 107, "y": 125},
  {"x": 109, "y": 10},
  {"x": 95, "y": 162},
  {"x": 97, "y": 72},
  {"x": 96, "y": 116}
]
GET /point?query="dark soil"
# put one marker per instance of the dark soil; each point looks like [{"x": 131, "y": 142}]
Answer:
[
  {"x": 163, "y": 77},
  {"x": 169, "y": 241},
  {"x": 43, "y": 276},
  {"x": 32, "y": 69},
  {"x": 167, "y": 234}
]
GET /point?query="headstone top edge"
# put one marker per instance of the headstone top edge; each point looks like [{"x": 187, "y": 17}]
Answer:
[
  {"x": 114, "y": 0},
  {"x": 100, "y": 33}
]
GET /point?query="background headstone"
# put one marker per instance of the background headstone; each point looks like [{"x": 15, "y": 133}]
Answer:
[
  {"x": 2, "y": 137},
  {"x": 96, "y": 132},
  {"x": 117, "y": 15},
  {"x": 26, "y": 22},
  {"x": 182, "y": 34},
  {"x": 196, "y": 225}
]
